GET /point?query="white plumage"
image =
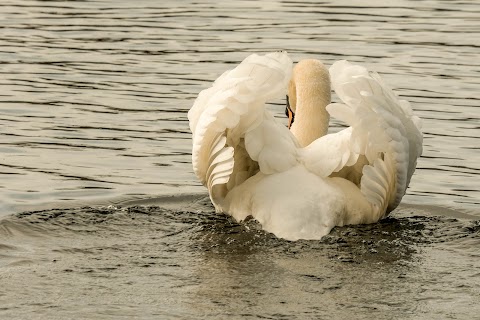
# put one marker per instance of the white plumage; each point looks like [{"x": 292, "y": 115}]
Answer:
[{"x": 299, "y": 184}]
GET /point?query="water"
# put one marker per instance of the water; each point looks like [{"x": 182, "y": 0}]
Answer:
[{"x": 93, "y": 113}]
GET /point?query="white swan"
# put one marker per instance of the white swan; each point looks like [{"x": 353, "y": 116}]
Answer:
[{"x": 302, "y": 182}]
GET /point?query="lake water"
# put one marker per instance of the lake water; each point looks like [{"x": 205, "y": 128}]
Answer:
[{"x": 101, "y": 216}]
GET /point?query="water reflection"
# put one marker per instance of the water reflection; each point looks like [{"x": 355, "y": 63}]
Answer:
[
  {"x": 243, "y": 270},
  {"x": 190, "y": 262}
]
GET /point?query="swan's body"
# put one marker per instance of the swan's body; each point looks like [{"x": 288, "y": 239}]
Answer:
[{"x": 302, "y": 182}]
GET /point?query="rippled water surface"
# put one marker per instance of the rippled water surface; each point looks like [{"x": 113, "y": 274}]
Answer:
[{"x": 93, "y": 103}]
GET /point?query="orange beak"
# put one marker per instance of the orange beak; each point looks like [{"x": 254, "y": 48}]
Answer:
[
  {"x": 290, "y": 117},
  {"x": 289, "y": 113}
]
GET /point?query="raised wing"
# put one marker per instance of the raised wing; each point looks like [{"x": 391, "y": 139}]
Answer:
[
  {"x": 234, "y": 136},
  {"x": 380, "y": 150}
]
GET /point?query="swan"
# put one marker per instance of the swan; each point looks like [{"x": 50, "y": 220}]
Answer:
[{"x": 298, "y": 181}]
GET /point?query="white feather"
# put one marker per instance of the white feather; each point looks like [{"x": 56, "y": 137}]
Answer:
[{"x": 253, "y": 165}]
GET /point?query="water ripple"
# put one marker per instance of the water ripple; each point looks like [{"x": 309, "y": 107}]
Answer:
[
  {"x": 99, "y": 88},
  {"x": 193, "y": 261}
]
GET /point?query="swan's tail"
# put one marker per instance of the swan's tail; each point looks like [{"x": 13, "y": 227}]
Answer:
[{"x": 385, "y": 131}]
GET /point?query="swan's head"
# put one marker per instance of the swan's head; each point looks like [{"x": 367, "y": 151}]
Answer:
[{"x": 308, "y": 95}]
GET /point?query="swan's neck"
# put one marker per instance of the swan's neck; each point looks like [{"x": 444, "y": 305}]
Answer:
[{"x": 311, "y": 117}]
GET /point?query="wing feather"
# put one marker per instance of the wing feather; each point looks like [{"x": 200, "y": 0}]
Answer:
[
  {"x": 378, "y": 151},
  {"x": 233, "y": 134},
  {"x": 384, "y": 129}
]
